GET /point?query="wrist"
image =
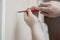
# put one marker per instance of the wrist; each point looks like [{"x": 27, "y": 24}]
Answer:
[{"x": 36, "y": 25}]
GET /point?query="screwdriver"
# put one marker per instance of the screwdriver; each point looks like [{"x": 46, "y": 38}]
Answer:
[{"x": 33, "y": 9}]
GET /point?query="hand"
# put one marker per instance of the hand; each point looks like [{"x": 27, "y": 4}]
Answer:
[
  {"x": 30, "y": 19},
  {"x": 35, "y": 25},
  {"x": 50, "y": 9}
]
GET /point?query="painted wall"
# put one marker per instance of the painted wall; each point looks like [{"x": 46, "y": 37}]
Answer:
[
  {"x": 15, "y": 25},
  {"x": 11, "y": 20},
  {"x": 0, "y": 17}
]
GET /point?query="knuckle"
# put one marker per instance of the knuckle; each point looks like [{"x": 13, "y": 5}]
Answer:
[{"x": 51, "y": 1}]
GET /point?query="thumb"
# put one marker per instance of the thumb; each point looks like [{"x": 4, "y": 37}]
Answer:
[{"x": 25, "y": 16}]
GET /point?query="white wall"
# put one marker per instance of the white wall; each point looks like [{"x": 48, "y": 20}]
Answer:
[
  {"x": 0, "y": 18},
  {"x": 10, "y": 19},
  {"x": 12, "y": 6},
  {"x": 11, "y": 29}
]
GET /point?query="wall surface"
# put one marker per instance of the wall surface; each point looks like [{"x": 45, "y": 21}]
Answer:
[
  {"x": 16, "y": 28},
  {"x": 0, "y": 17},
  {"x": 23, "y": 32},
  {"x": 14, "y": 32},
  {"x": 12, "y": 7},
  {"x": 10, "y": 19}
]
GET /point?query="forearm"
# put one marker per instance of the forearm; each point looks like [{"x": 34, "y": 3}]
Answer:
[{"x": 37, "y": 32}]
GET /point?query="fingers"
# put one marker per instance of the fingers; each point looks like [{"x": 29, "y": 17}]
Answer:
[
  {"x": 46, "y": 4},
  {"x": 32, "y": 16},
  {"x": 25, "y": 16},
  {"x": 30, "y": 13},
  {"x": 45, "y": 14},
  {"x": 44, "y": 9}
]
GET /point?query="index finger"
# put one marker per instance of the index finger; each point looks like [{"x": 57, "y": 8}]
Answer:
[
  {"x": 45, "y": 4},
  {"x": 25, "y": 15}
]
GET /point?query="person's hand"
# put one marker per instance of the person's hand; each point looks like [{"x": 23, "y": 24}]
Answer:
[
  {"x": 35, "y": 26},
  {"x": 30, "y": 19},
  {"x": 50, "y": 9}
]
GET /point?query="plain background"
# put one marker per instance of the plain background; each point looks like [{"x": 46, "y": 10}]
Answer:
[{"x": 0, "y": 17}]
